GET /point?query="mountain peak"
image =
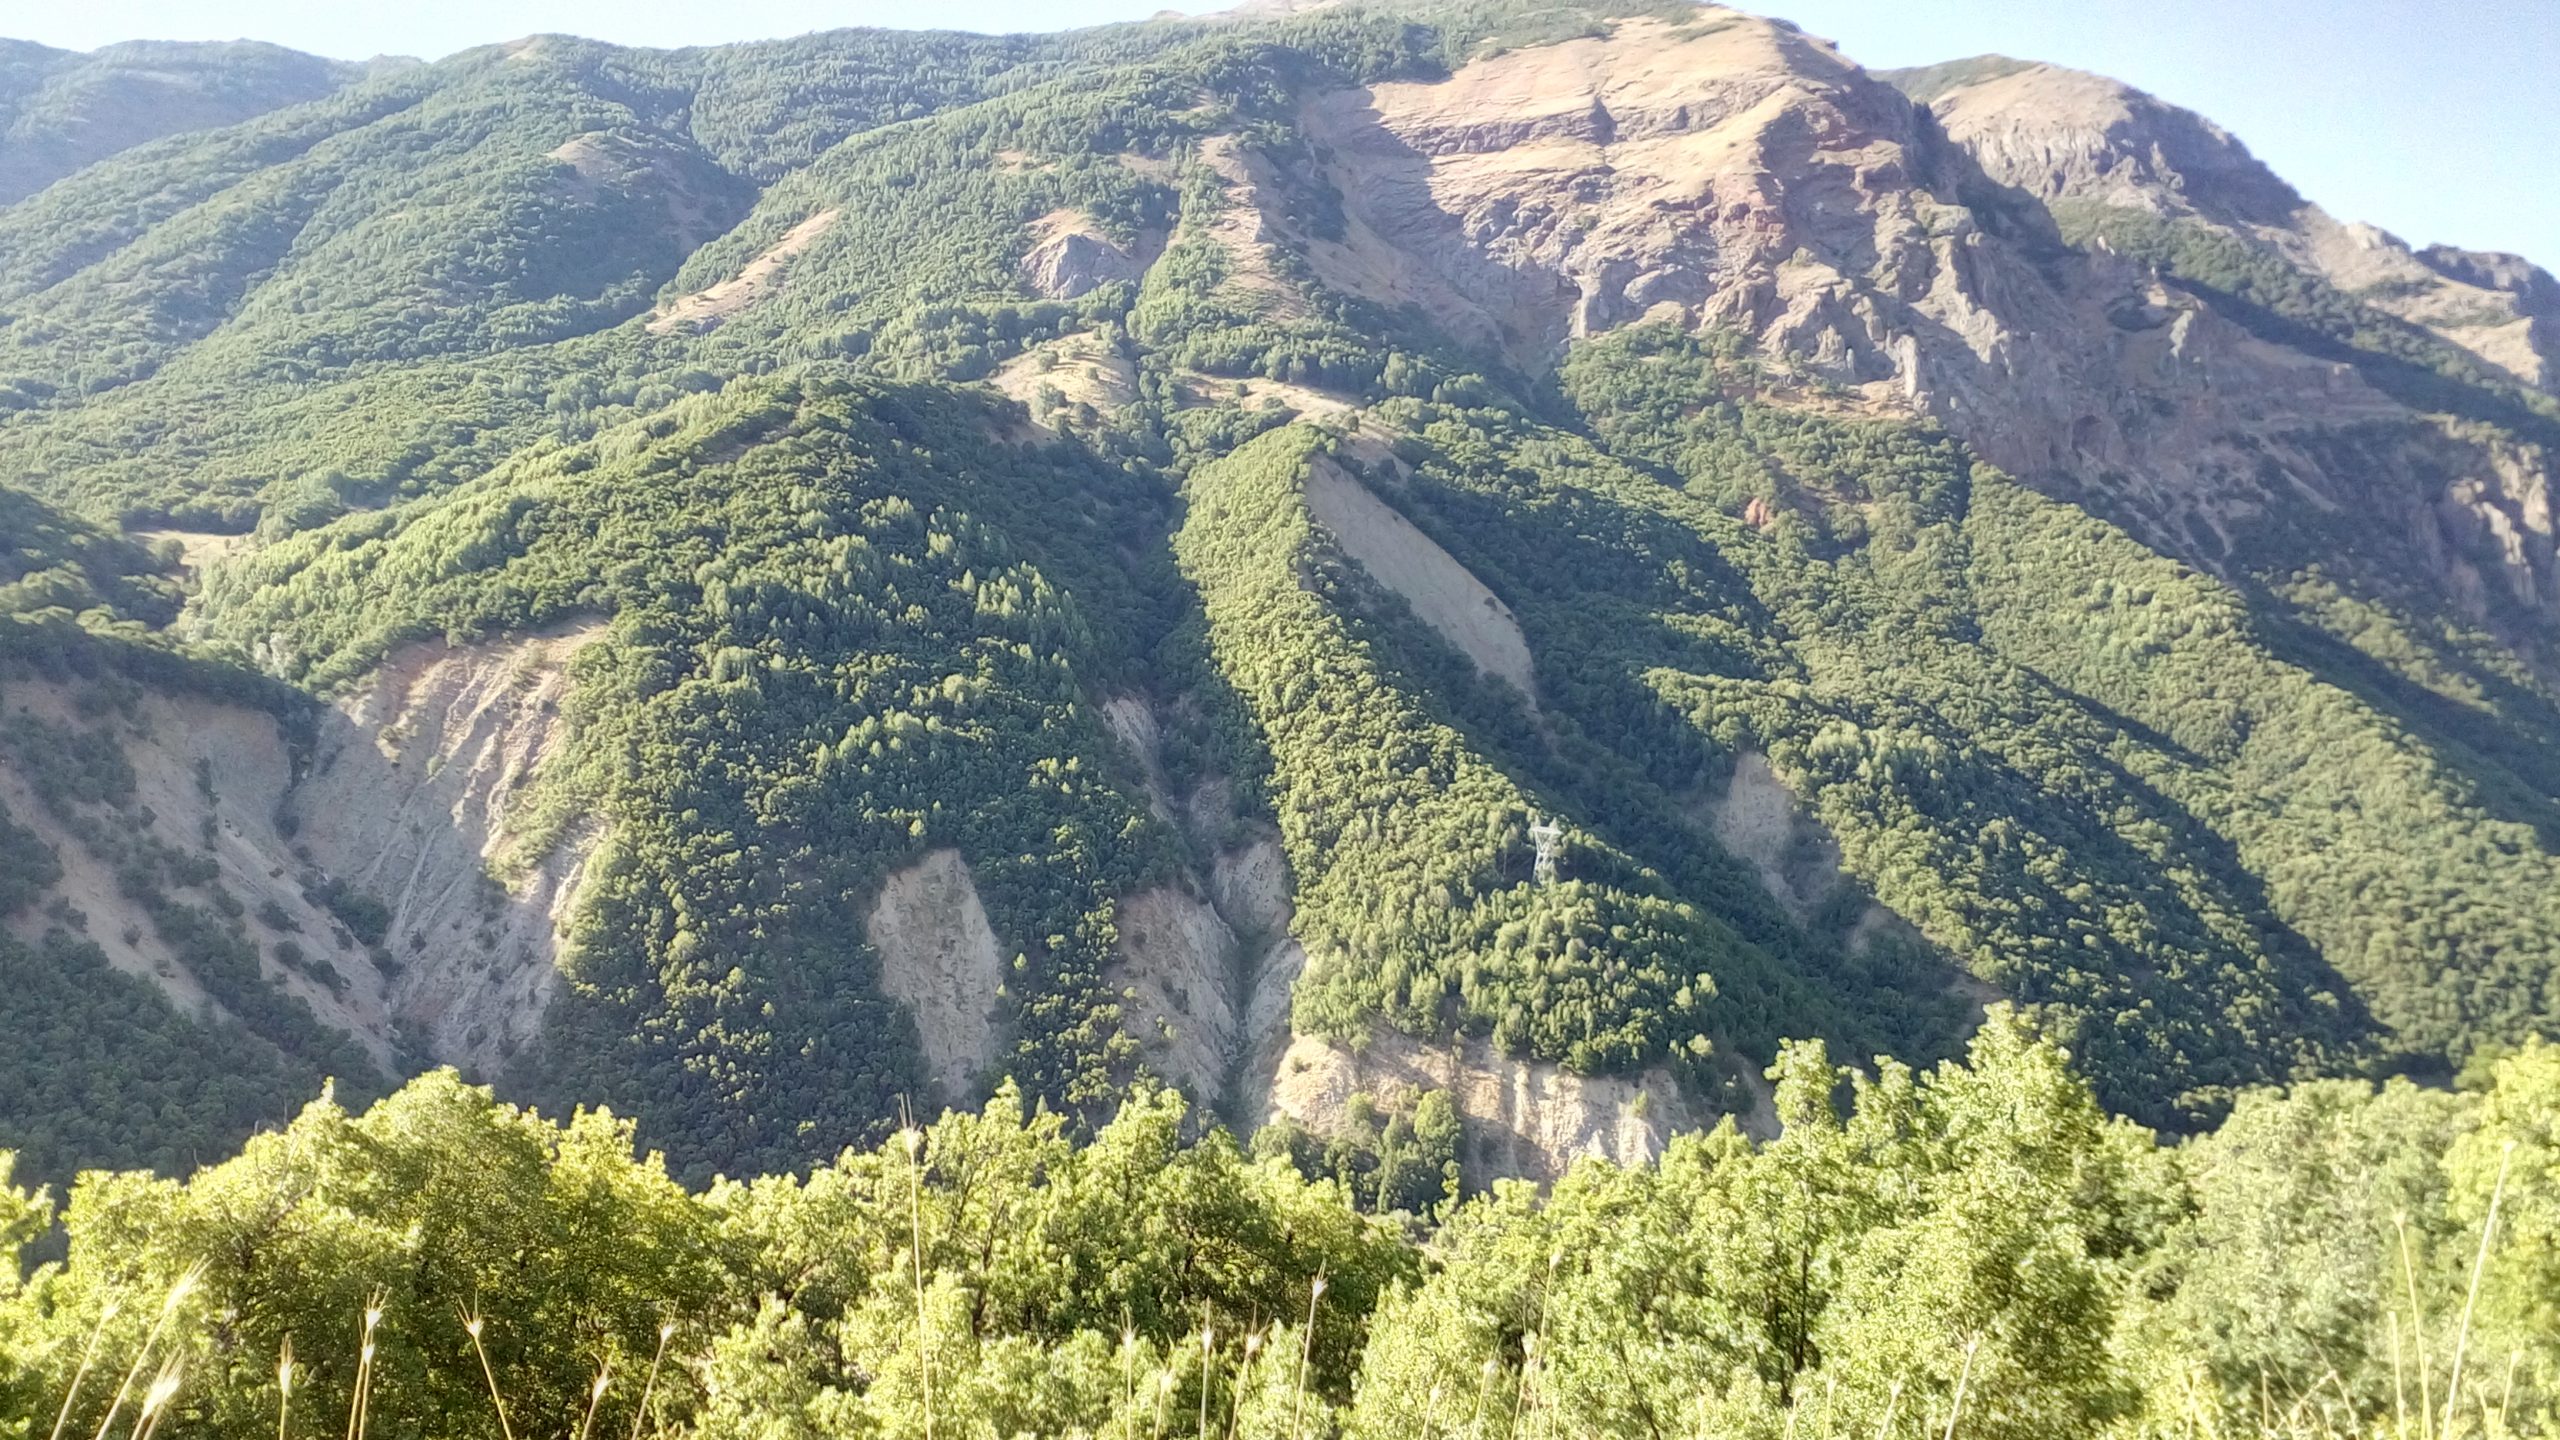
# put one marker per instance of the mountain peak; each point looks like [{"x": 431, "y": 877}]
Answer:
[{"x": 2059, "y": 133}]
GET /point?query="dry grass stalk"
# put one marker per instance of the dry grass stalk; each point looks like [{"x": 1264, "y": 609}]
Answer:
[
  {"x": 2479, "y": 1264},
  {"x": 360, "y": 1402},
  {"x": 913, "y": 1139},
  {"x": 1235, "y": 1392},
  {"x": 2507, "y": 1392},
  {"x": 595, "y": 1398},
  {"x": 178, "y": 1293},
  {"x": 1963, "y": 1377},
  {"x": 1208, "y": 1367},
  {"x": 1492, "y": 1367},
  {"x": 640, "y": 1412},
  {"x": 471, "y": 1325},
  {"x": 2418, "y": 1329},
  {"x": 88, "y": 1357},
  {"x": 1528, "y": 1362},
  {"x": 1306, "y": 1352},
  {"x": 155, "y": 1401},
  {"x": 2399, "y": 1387},
  {"x": 1128, "y": 1375}
]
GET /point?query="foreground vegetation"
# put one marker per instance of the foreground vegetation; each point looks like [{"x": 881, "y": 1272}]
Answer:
[
  {"x": 2214, "y": 832},
  {"x": 1972, "y": 1250}
]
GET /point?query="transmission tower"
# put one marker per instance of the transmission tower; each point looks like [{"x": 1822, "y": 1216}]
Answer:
[{"x": 1548, "y": 836}]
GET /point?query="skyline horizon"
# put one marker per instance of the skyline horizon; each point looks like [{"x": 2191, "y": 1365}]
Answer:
[{"x": 2441, "y": 157}]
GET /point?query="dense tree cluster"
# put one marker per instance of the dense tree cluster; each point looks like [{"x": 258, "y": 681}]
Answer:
[
  {"x": 1973, "y": 1249},
  {"x": 435, "y": 344}
]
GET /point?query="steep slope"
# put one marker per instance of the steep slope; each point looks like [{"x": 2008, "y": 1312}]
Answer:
[
  {"x": 61, "y": 111},
  {"x": 2062, "y": 135},
  {"x": 821, "y": 577}
]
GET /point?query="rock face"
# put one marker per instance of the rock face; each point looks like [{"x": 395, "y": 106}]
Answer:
[
  {"x": 1442, "y": 593},
  {"x": 1176, "y": 960},
  {"x": 1734, "y": 174},
  {"x": 411, "y": 798},
  {"x": 1205, "y": 969},
  {"x": 209, "y": 777},
  {"x": 938, "y": 957},
  {"x": 1521, "y": 1118},
  {"x": 1070, "y": 256},
  {"x": 2062, "y": 135},
  {"x": 1206, "y": 975},
  {"x": 408, "y": 798},
  {"x": 1760, "y": 819}
]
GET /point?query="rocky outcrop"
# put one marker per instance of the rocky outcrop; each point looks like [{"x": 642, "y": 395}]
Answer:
[
  {"x": 409, "y": 799},
  {"x": 2063, "y": 135},
  {"x": 1206, "y": 973},
  {"x": 939, "y": 958},
  {"x": 1441, "y": 592},
  {"x": 1760, "y": 818},
  {"x": 1732, "y": 174},
  {"x": 209, "y": 779},
  {"x": 1205, "y": 969},
  {"x": 1072, "y": 255},
  {"x": 1521, "y": 1118},
  {"x": 414, "y": 797},
  {"x": 1175, "y": 963},
  {"x": 2066, "y": 134},
  {"x": 2481, "y": 520}
]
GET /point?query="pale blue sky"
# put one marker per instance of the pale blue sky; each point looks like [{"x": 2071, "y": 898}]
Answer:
[{"x": 2437, "y": 119}]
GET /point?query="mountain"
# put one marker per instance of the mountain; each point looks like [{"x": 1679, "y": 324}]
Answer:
[
  {"x": 61, "y": 111},
  {"x": 762, "y": 584}
]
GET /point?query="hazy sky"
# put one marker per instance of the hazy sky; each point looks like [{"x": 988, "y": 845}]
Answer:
[{"x": 2437, "y": 119}]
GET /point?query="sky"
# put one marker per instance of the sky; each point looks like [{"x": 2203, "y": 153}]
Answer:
[{"x": 2438, "y": 120}]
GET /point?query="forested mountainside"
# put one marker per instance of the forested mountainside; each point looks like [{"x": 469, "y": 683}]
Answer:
[
  {"x": 1924, "y": 695},
  {"x": 61, "y": 110},
  {"x": 768, "y": 584}
]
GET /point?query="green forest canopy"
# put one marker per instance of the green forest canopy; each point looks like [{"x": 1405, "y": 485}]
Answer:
[{"x": 1972, "y": 1249}]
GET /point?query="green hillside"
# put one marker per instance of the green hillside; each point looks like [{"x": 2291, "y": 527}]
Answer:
[
  {"x": 749, "y": 597},
  {"x": 410, "y": 334},
  {"x": 61, "y": 111}
]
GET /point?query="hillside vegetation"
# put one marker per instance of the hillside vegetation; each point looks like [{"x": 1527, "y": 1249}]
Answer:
[
  {"x": 1163, "y": 519},
  {"x": 1973, "y": 1249}
]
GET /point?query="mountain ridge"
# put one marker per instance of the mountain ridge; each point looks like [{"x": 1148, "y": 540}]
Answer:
[{"x": 802, "y": 574}]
